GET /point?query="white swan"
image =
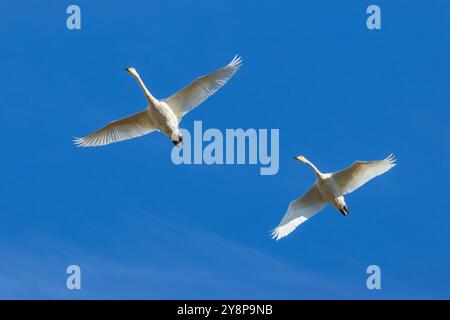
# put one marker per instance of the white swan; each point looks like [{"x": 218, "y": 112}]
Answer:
[
  {"x": 329, "y": 188},
  {"x": 162, "y": 115}
]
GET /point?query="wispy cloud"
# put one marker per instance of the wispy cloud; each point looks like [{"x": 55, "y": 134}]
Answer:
[{"x": 177, "y": 260}]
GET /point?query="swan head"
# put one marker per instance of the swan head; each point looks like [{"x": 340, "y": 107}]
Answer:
[
  {"x": 300, "y": 158},
  {"x": 132, "y": 71}
]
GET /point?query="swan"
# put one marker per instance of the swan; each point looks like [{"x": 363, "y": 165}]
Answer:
[
  {"x": 162, "y": 115},
  {"x": 329, "y": 188}
]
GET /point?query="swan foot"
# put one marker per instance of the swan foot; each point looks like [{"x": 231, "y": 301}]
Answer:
[
  {"x": 177, "y": 142},
  {"x": 344, "y": 210}
]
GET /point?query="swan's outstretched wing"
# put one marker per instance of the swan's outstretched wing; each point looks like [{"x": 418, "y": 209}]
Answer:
[
  {"x": 361, "y": 172},
  {"x": 126, "y": 128},
  {"x": 200, "y": 89},
  {"x": 299, "y": 211}
]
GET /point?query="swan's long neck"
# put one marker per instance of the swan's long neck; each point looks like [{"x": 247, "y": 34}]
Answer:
[
  {"x": 319, "y": 174},
  {"x": 151, "y": 99}
]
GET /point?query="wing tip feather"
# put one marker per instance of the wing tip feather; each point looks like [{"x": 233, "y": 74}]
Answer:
[
  {"x": 236, "y": 63},
  {"x": 275, "y": 234},
  {"x": 88, "y": 142},
  {"x": 391, "y": 159},
  {"x": 79, "y": 142}
]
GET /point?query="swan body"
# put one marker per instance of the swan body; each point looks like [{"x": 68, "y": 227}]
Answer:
[
  {"x": 329, "y": 188},
  {"x": 162, "y": 115}
]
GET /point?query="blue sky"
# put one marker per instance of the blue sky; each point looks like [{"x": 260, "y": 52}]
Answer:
[{"x": 141, "y": 227}]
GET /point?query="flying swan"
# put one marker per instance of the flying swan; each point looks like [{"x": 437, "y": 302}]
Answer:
[
  {"x": 162, "y": 115},
  {"x": 329, "y": 188}
]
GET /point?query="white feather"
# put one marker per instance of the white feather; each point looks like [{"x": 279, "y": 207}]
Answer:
[{"x": 202, "y": 88}]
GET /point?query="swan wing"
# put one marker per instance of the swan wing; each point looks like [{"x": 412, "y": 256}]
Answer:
[
  {"x": 126, "y": 128},
  {"x": 299, "y": 211},
  {"x": 361, "y": 172},
  {"x": 202, "y": 88}
]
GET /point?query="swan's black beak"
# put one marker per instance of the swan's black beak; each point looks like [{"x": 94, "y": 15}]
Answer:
[{"x": 127, "y": 69}]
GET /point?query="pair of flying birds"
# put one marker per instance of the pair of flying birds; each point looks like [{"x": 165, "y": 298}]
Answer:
[{"x": 165, "y": 115}]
